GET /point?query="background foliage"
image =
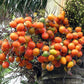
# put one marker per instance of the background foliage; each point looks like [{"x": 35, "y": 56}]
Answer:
[
  {"x": 75, "y": 12},
  {"x": 9, "y": 7}
]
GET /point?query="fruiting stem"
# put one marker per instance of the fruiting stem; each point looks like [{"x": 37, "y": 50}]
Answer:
[{"x": 58, "y": 4}]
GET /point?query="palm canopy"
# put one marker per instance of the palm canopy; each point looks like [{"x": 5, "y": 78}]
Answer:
[{"x": 9, "y": 7}]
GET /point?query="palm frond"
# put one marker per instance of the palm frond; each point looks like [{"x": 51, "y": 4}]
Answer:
[{"x": 9, "y": 7}]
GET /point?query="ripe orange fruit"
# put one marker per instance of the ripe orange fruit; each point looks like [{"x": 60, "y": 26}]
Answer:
[
  {"x": 62, "y": 29},
  {"x": 78, "y": 29},
  {"x": 27, "y": 38},
  {"x": 5, "y": 46},
  {"x": 28, "y": 19},
  {"x": 57, "y": 46},
  {"x": 51, "y": 57},
  {"x": 41, "y": 59},
  {"x": 71, "y": 46},
  {"x": 58, "y": 39},
  {"x": 39, "y": 25},
  {"x": 61, "y": 17},
  {"x": 45, "y": 48},
  {"x": 14, "y": 36},
  {"x": 75, "y": 35},
  {"x": 42, "y": 30},
  {"x": 21, "y": 33},
  {"x": 18, "y": 59},
  {"x": 1, "y": 42},
  {"x": 50, "y": 32},
  {"x": 79, "y": 54},
  {"x": 2, "y": 56},
  {"x": 66, "y": 31},
  {"x": 11, "y": 59},
  {"x": 75, "y": 42},
  {"x": 57, "y": 19},
  {"x": 80, "y": 34},
  {"x": 39, "y": 45},
  {"x": 21, "y": 49},
  {"x": 46, "y": 59},
  {"x": 43, "y": 65},
  {"x": 70, "y": 64},
  {"x": 13, "y": 24},
  {"x": 74, "y": 52},
  {"x": 49, "y": 67},
  {"x": 34, "y": 25},
  {"x": 5, "y": 64},
  {"x": 68, "y": 58},
  {"x": 69, "y": 36},
  {"x": 69, "y": 29},
  {"x": 63, "y": 60},
  {"x": 66, "y": 42},
  {"x": 22, "y": 39},
  {"x": 20, "y": 27},
  {"x": 45, "y": 35},
  {"x": 64, "y": 49},
  {"x": 82, "y": 37},
  {"x": 29, "y": 66},
  {"x": 29, "y": 52},
  {"x": 31, "y": 44},
  {"x": 81, "y": 41},
  {"x": 36, "y": 51},
  {"x": 52, "y": 24},
  {"x": 58, "y": 53},
  {"x": 28, "y": 24},
  {"x": 78, "y": 47},
  {"x": 16, "y": 44},
  {"x": 51, "y": 17},
  {"x": 65, "y": 21},
  {"x": 63, "y": 13},
  {"x": 19, "y": 20}
]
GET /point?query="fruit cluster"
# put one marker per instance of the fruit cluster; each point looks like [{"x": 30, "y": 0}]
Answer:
[{"x": 50, "y": 41}]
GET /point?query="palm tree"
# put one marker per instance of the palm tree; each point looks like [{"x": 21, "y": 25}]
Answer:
[{"x": 14, "y": 8}]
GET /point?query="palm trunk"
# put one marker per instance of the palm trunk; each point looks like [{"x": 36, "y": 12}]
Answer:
[{"x": 59, "y": 76}]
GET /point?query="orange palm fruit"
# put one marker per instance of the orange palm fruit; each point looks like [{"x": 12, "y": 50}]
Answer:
[
  {"x": 70, "y": 64},
  {"x": 63, "y": 60},
  {"x": 51, "y": 57}
]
